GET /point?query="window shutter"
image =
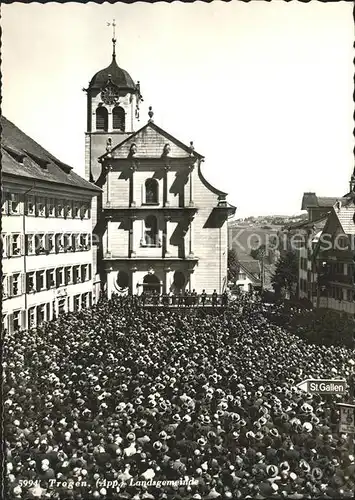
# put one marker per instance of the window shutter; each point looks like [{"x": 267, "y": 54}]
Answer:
[
  {"x": 22, "y": 244},
  {"x": 10, "y": 322},
  {"x": 8, "y": 245},
  {"x": 22, "y": 283},
  {"x": 10, "y": 283},
  {"x": 23, "y": 320}
]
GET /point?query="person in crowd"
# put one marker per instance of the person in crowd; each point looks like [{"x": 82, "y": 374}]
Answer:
[
  {"x": 203, "y": 297},
  {"x": 214, "y": 298},
  {"x": 124, "y": 393}
]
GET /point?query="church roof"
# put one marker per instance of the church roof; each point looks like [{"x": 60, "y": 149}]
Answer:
[
  {"x": 117, "y": 75},
  {"x": 151, "y": 140},
  {"x": 24, "y": 157}
]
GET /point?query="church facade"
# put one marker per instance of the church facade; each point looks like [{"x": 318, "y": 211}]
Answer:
[{"x": 162, "y": 227}]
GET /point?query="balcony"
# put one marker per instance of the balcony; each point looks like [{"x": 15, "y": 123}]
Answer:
[
  {"x": 135, "y": 210},
  {"x": 111, "y": 256}
]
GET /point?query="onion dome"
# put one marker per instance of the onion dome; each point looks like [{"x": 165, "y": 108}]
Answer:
[{"x": 114, "y": 75}]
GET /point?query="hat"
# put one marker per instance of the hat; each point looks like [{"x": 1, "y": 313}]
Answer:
[
  {"x": 272, "y": 470},
  {"x": 157, "y": 445},
  {"x": 131, "y": 436},
  {"x": 307, "y": 427}
]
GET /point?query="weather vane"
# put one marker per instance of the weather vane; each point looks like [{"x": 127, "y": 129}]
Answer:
[{"x": 113, "y": 24}]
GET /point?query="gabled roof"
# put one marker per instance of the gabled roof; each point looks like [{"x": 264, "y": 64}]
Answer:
[
  {"x": 311, "y": 200},
  {"x": 346, "y": 217},
  {"x": 307, "y": 224},
  {"x": 251, "y": 269},
  {"x": 24, "y": 157},
  {"x": 150, "y": 140}
]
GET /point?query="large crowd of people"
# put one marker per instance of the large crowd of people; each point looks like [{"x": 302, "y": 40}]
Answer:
[{"x": 124, "y": 402}]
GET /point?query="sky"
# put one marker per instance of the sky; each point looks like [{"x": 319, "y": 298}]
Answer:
[{"x": 264, "y": 90}]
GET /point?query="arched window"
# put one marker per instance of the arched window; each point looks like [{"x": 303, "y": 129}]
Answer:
[
  {"x": 102, "y": 119},
  {"x": 151, "y": 237},
  {"x": 151, "y": 191},
  {"x": 122, "y": 280},
  {"x": 118, "y": 118}
]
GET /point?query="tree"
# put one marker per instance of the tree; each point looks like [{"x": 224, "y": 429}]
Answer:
[
  {"x": 285, "y": 278},
  {"x": 233, "y": 265}
]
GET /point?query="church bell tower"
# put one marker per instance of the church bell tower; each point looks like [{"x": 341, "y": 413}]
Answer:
[{"x": 113, "y": 101}]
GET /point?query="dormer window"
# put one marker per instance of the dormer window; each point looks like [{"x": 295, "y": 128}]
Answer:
[
  {"x": 102, "y": 119},
  {"x": 118, "y": 118}
]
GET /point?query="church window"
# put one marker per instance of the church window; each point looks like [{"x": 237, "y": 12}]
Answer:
[
  {"x": 102, "y": 119},
  {"x": 151, "y": 237},
  {"x": 118, "y": 118},
  {"x": 151, "y": 191}
]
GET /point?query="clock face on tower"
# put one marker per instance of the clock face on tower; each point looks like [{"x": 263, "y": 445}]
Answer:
[{"x": 109, "y": 95}]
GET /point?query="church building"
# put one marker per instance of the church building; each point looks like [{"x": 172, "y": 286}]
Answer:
[{"x": 161, "y": 225}]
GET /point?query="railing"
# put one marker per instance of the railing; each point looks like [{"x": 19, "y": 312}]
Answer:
[{"x": 152, "y": 300}]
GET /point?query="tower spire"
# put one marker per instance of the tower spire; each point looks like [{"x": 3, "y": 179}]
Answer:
[{"x": 114, "y": 39}]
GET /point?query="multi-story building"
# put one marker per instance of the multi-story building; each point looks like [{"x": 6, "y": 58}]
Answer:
[
  {"x": 302, "y": 238},
  {"x": 334, "y": 259},
  {"x": 163, "y": 227},
  {"x": 48, "y": 265},
  {"x": 318, "y": 206}
]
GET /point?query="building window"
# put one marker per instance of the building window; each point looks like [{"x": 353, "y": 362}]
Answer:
[
  {"x": 4, "y": 321},
  {"x": 76, "y": 303},
  {"x": 14, "y": 204},
  {"x": 85, "y": 300},
  {"x": 75, "y": 242},
  {"x": 30, "y": 282},
  {"x": 85, "y": 211},
  {"x": 39, "y": 244},
  {"x": 68, "y": 209},
  {"x": 67, "y": 243},
  {"x": 76, "y": 210},
  {"x": 118, "y": 118},
  {"x": 242, "y": 276},
  {"x": 4, "y": 282},
  {"x": 60, "y": 208},
  {"x": 151, "y": 192},
  {"x": 51, "y": 207},
  {"x": 30, "y": 205},
  {"x": 68, "y": 275},
  {"x": 15, "y": 285},
  {"x": 84, "y": 242},
  {"x": 40, "y": 313},
  {"x": 40, "y": 206},
  {"x": 76, "y": 274},
  {"x": 4, "y": 245},
  {"x": 84, "y": 272},
  {"x": 31, "y": 317},
  {"x": 48, "y": 311},
  {"x": 16, "y": 320},
  {"x": 49, "y": 243},
  {"x": 15, "y": 245},
  {"x": 40, "y": 281},
  {"x": 30, "y": 244},
  {"x": 61, "y": 306},
  {"x": 151, "y": 237},
  {"x": 59, "y": 247},
  {"x": 50, "y": 278},
  {"x": 60, "y": 276},
  {"x": 102, "y": 119},
  {"x": 4, "y": 202}
]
